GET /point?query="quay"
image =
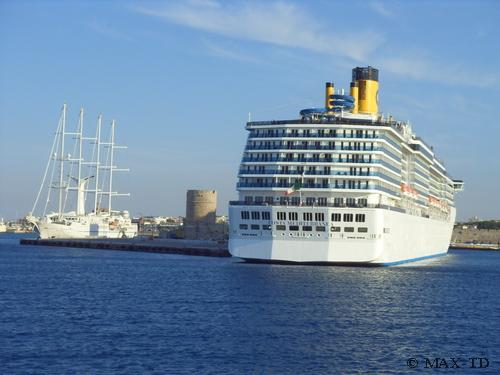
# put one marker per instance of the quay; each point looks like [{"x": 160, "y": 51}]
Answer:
[
  {"x": 471, "y": 246},
  {"x": 140, "y": 244}
]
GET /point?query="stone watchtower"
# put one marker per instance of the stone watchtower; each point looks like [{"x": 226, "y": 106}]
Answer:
[{"x": 200, "y": 221}]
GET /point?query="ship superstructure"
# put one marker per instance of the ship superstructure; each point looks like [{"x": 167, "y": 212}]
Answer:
[{"x": 341, "y": 184}]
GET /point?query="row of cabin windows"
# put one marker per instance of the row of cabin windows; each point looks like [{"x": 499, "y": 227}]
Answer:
[
  {"x": 256, "y": 215},
  {"x": 349, "y": 229},
  {"x": 320, "y": 216},
  {"x": 359, "y": 218},
  {"x": 321, "y": 133},
  {"x": 310, "y": 201},
  {"x": 311, "y": 170},
  {"x": 308, "y": 145},
  {"x": 306, "y": 216},
  {"x": 255, "y": 226},
  {"x": 305, "y": 228},
  {"x": 315, "y": 156}
]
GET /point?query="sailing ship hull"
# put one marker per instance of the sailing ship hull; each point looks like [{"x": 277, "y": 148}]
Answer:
[
  {"x": 84, "y": 229},
  {"x": 392, "y": 238}
]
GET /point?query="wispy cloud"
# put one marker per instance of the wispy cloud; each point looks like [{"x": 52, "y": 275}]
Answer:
[
  {"x": 223, "y": 52},
  {"x": 381, "y": 9},
  {"x": 275, "y": 23},
  {"x": 289, "y": 25},
  {"x": 103, "y": 28},
  {"x": 425, "y": 69}
]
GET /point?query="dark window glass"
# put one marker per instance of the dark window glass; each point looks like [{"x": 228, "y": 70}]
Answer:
[
  {"x": 336, "y": 217},
  {"x": 348, "y": 217},
  {"x": 360, "y": 218}
]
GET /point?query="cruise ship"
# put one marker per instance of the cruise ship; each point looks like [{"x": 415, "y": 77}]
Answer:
[{"x": 342, "y": 184}]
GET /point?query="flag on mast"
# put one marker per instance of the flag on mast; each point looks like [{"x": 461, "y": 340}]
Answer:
[{"x": 295, "y": 187}]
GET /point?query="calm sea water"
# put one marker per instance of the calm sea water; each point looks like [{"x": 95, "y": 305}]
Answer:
[{"x": 91, "y": 311}]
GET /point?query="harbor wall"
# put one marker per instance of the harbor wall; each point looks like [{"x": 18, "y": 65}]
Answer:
[
  {"x": 464, "y": 234},
  {"x": 138, "y": 244}
]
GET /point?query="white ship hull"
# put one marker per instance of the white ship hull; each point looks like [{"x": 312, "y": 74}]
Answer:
[
  {"x": 392, "y": 238},
  {"x": 84, "y": 227}
]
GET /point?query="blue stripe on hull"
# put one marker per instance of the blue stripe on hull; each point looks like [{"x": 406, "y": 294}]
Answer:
[
  {"x": 344, "y": 264},
  {"x": 412, "y": 260}
]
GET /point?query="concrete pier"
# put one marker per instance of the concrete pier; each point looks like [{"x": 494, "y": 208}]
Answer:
[{"x": 166, "y": 246}]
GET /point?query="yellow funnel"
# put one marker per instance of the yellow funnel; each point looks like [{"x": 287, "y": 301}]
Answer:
[
  {"x": 329, "y": 90},
  {"x": 367, "y": 79},
  {"x": 355, "y": 94}
]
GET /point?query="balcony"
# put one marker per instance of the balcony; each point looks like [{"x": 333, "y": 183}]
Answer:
[
  {"x": 306, "y": 173},
  {"x": 295, "y": 204},
  {"x": 338, "y": 135},
  {"x": 304, "y": 186},
  {"x": 285, "y": 148}
]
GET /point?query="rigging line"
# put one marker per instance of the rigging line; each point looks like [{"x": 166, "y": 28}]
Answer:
[
  {"x": 46, "y": 168},
  {"x": 49, "y": 187}
]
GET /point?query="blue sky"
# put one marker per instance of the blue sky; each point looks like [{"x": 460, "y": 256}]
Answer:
[{"x": 180, "y": 78}]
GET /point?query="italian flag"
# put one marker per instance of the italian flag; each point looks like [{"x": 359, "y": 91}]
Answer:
[{"x": 295, "y": 187}]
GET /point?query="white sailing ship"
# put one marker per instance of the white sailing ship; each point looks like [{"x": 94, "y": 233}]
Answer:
[
  {"x": 3, "y": 227},
  {"x": 99, "y": 222}
]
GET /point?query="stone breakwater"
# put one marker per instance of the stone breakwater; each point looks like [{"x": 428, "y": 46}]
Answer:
[
  {"x": 475, "y": 236},
  {"x": 167, "y": 246}
]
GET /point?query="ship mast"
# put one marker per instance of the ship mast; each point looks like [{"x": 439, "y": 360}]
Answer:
[
  {"x": 61, "y": 160},
  {"x": 112, "y": 168},
  {"x": 98, "y": 149},
  {"x": 80, "y": 210},
  {"x": 80, "y": 185},
  {"x": 80, "y": 188}
]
